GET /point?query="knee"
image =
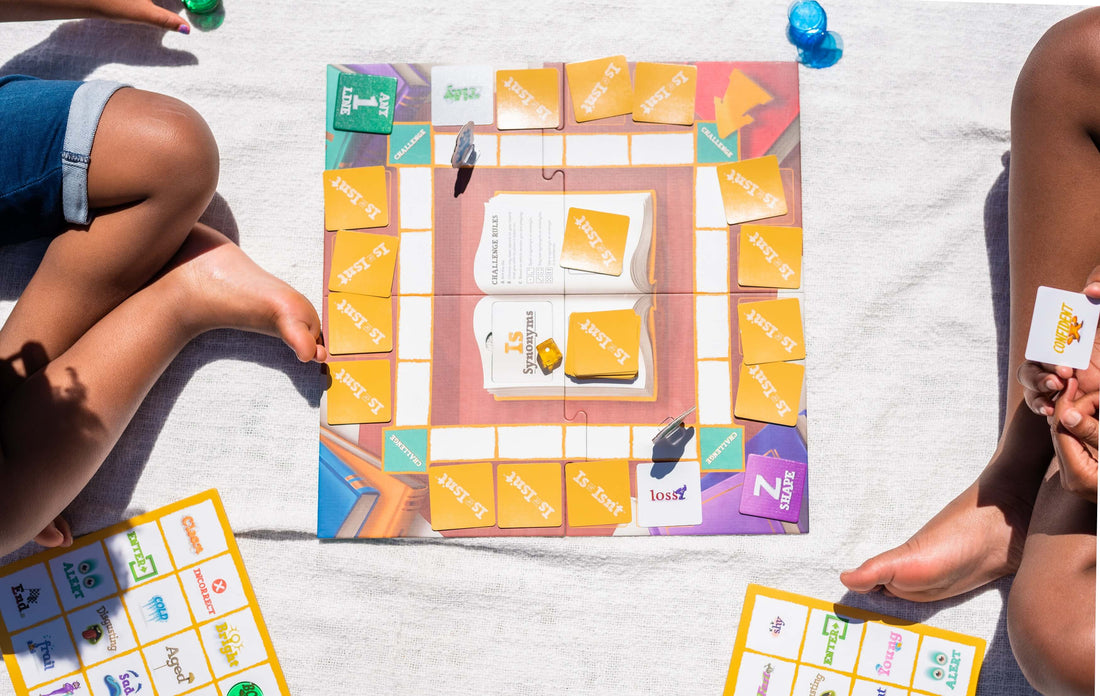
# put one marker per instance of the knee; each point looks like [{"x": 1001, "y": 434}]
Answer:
[
  {"x": 1065, "y": 63},
  {"x": 1053, "y": 642},
  {"x": 178, "y": 149}
]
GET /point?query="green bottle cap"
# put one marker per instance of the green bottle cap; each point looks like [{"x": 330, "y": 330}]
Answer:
[
  {"x": 201, "y": 6},
  {"x": 245, "y": 689}
]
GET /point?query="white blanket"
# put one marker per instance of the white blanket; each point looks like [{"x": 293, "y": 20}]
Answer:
[{"x": 904, "y": 199}]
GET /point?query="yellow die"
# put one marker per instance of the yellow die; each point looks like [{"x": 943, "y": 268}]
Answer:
[{"x": 549, "y": 354}]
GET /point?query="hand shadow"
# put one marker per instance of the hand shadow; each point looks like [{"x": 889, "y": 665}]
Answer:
[
  {"x": 76, "y": 49},
  {"x": 105, "y": 500}
]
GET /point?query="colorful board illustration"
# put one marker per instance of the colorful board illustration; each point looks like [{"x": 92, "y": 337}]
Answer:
[
  {"x": 159, "y": 604},
  {"x": 507, "y": 339},
  {"x": 790, "y": 644}
]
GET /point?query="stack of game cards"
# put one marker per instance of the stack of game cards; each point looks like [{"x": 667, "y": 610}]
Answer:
[{"x": 603, "y": 345}]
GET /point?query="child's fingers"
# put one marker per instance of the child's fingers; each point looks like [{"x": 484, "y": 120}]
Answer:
[
  {"x": 1039, "y": 384},
  {"x": 1076, "y": 419},
  {"x": 1077, "y": 466},
  {"x": 1073, "y": 433},
  {"x": 147, "y": 12},
  {"x": 1092, "y": 285},
  {"x": 163, "y": 18},
  {"x": 62, "y": 525}
]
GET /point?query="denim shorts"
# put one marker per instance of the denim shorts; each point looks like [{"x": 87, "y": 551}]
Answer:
[{"x": 46, "y": 133}]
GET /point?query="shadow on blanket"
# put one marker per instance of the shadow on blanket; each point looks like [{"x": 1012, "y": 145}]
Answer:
[
  {"x": 996, "y": 248},
  {"x": 75, "y": 49}
]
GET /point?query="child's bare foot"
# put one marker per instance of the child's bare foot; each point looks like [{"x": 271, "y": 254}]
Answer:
[
  {"x": 977, "y": 538},
  {"x": 56, "y": 533},
  {"x": 224, "y": 288}
]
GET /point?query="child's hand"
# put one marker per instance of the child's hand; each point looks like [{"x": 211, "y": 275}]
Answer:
[
  {"x": 1042, "y": 382},
  {"x": 138, "y": 11},
  {"x": 1073, "y": 428}
]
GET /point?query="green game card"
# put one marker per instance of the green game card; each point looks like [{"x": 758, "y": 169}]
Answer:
[
  {"x": 406, "y": 450},
  {"x": 711, "y": 148},
  {"x": 722, "y": 449},
  {"x": 365, "y": 103},
  {"x": 411, "y": 143}
]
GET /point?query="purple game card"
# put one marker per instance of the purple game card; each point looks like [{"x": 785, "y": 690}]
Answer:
[{"x": 773, "y": 488}]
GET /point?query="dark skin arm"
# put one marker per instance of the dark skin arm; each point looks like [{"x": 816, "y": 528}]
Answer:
[{"x": 136, "y": 11}]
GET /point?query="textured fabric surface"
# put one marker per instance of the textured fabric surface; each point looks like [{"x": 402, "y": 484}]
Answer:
[{"x": 904, "y": 166}]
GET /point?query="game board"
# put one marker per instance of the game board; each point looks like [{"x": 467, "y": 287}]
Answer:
[
  {"x": 440, "y": 281},
  {"x": 159, "y": 604},
  {"x": 788, "y": 643}
]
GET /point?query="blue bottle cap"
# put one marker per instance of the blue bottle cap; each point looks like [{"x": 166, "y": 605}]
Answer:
[
  {"x": 808, "y": 23},
  {"x": 827, "y": 52}
]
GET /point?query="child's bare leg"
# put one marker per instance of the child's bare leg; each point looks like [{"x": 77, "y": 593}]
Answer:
[
  {"x": 154, "y": 168},
  {"x": 60, "y": 423},
  {"x": 1054, "y": 215},
  {"x": 1051, "y": 607}
]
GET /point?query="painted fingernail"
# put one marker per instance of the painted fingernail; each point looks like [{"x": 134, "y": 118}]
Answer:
[
  {"x": 1071, "y": 418},
  {"x": 184, "y": 29}
]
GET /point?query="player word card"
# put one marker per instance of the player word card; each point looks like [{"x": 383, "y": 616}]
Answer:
[
  {"x": 790, "y": 644},
  {"x": 159, "y": 604}
]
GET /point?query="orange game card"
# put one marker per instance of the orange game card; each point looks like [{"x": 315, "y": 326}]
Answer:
[
  {"x": 597, "y": 492},
  {"x": 359, "y": 324},
  {"x": 363, "y": 263},
  {"x": 361, "y": 392},
  {"x": 770, "y": 257},
  {"x": 770, "y": 393},
  {"x": 356, "y": 198},
  {"x": 600, "y": 88},
  {"x": 528, "y": 99},
  {"x": 594, "y": 241},
  {"x": 461, "y": 496},
  {"x": 771, "y": 331},
  {"x": 664, "y": 93},
  {"x": 603, "y": 344},
  {"x": 529, "y": 495},
  {"x": 752, "y": 189}
]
